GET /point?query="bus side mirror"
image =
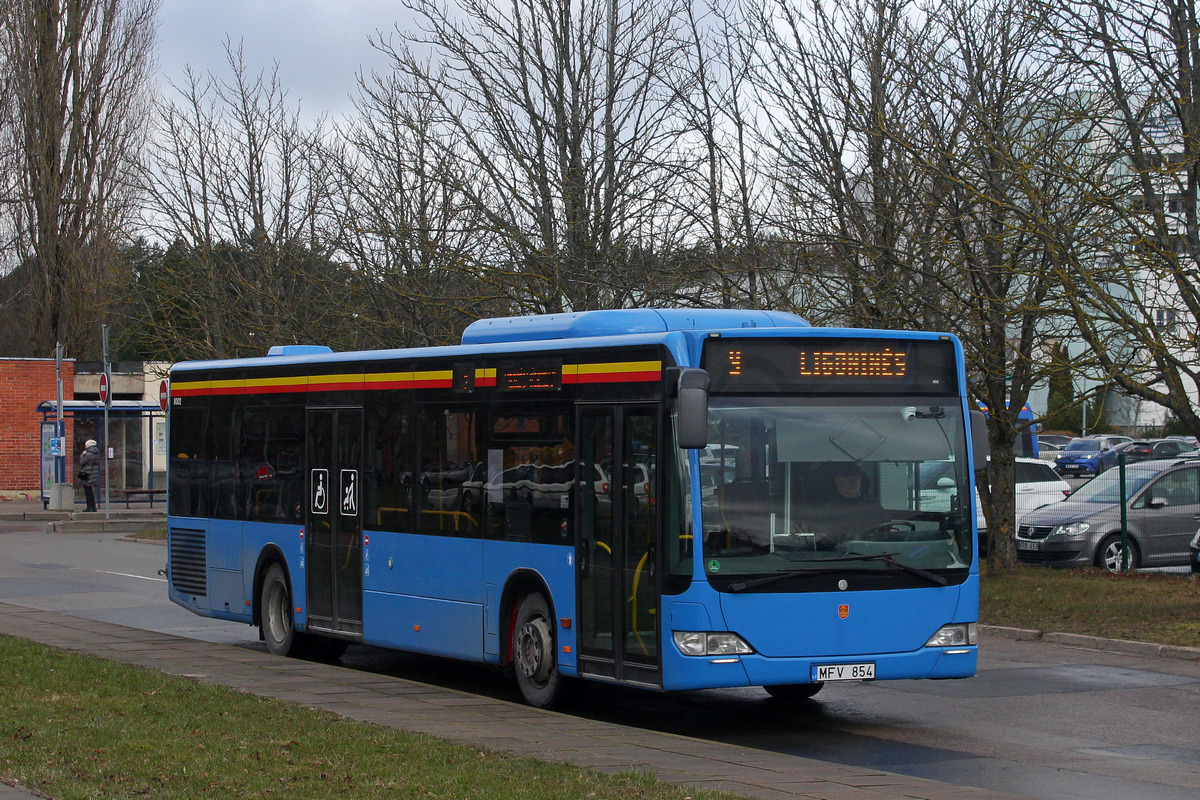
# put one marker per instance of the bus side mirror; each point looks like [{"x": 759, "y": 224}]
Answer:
[
  {"x": 980, "y": 447},
  {"x": 691, "y": 406}
]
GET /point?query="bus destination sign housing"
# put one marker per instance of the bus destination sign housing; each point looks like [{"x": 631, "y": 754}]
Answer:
[{"x": 830, "y": 365}]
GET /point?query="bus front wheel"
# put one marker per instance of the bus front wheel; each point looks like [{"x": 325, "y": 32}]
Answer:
[
  {"x": 276, "y": 626},
  {"x": 534, "y": 658}
]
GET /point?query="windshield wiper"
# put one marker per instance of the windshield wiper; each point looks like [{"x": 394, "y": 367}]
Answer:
[
  {"x": 886, "y": 558},
  {"x": 932, "y": 577}
]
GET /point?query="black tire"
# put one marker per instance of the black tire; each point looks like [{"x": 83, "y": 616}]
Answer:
[
  {"x": 535, "y": 654},
  {"x": 275, "y": 610},
  {"x": 791, "y": 692},
  {"x": 1108, "y": 554}
]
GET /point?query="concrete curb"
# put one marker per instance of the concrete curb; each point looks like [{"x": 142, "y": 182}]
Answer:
[
  {"x": 72, "y": 526},
  {"x": 118, "y": 519},
  {"x": 1124, "y": 646}
]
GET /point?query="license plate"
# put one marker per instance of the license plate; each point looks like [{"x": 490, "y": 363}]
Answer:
[
  {"x": 1028, "y": 545},
  {"x": 843, "y": 672}
]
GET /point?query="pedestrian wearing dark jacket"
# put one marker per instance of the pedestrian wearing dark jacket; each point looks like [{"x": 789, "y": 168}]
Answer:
[{"x": 89, "y": 472}]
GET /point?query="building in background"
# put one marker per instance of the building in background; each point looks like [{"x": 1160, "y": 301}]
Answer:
[
  {"x": 137, "y": 427},
  {"x": 24, "y": 382}
]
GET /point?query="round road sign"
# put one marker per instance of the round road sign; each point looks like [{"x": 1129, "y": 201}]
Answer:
[{"x": 103, "y": 387}]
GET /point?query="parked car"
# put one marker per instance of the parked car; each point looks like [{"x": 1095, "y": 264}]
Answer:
[
  {"x": 1081, "y": 456},
  {"x": 715, "y": 452},
  {"x": 1048, "y": 451},
  {"x": 1162, "y": 498},
  {"x": 1195, "y": 548},
  {"x": 1036, "y": 485},
  {"x": 1055, "y": 441},
  {"x": 1191, "y": 441},
  {"x": 1143, "y": 451}
]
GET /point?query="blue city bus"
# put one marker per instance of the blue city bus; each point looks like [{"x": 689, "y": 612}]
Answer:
[{"x": 647, "y": 497}]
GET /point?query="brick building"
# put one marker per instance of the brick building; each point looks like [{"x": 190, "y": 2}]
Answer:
[{"x": 24, "y": 382}]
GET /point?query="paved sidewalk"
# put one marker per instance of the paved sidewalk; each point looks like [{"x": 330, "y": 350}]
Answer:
[
  {"x": 475, "y": 720},
  {"x": 118, "y": 519}
]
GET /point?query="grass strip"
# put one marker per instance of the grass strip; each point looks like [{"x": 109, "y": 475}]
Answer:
[
  {"x": 1145, "y": 607},
  {"x": 75, "y": 727},
  {"x": 155, "y": 534}
]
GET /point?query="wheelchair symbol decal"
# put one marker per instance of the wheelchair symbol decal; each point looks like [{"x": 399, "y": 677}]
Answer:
[{"x": 319, "y": 491}]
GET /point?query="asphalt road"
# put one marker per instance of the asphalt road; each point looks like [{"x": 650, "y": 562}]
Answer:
[{"x": 1040, "y": 720}]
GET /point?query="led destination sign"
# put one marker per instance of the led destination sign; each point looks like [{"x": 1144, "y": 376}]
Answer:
[
  {"x": 884, "y": 363},
  {"x": 830, "y": 365}
]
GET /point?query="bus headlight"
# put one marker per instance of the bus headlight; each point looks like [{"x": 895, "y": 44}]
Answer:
[
  {"x": 701, "y": 643},
  {"x": 962, "y": 633}
]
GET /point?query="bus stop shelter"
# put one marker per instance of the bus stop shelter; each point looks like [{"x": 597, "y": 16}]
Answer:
[{"x": 133, "y": 449}]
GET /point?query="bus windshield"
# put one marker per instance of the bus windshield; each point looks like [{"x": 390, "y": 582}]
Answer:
[{"x": 833, "y": 484}]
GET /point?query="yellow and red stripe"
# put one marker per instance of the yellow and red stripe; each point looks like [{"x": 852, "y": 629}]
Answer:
[
  {"x": 614, "y": 372},
  {"x": 611, "y": 372}
]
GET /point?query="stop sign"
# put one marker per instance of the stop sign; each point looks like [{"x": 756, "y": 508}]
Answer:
[{"x": 103, "y": 387}]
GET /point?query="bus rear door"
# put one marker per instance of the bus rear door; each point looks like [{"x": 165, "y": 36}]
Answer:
[{"x": 335, "y": 520}]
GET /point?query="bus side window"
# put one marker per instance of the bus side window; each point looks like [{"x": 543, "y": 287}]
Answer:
[
  {"x": 388, "y": 487},
  {"x": 189, "y": 462},
  {"x": 531, "y": 477},
  {"x": 449, "y": 457},
  {"x": 271, "y": 464},
  {"x": 223, "y": 477}
]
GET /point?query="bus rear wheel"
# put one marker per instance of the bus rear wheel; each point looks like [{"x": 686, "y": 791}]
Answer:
[
  {"x": 791, "y": 692},
  {"x": 534, "y": 656},
  {"x": 276, "y": 625}
]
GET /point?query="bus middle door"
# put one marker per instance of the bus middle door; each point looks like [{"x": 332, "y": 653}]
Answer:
[
  {"x": 334, "y": 550},
  {"x": 618, "y": 584}
]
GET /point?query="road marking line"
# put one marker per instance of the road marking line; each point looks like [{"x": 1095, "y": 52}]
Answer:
[{"x": 127, "y": 575}]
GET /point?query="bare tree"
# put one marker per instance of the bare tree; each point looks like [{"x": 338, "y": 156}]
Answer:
[
  {"x": 562, "y": 128},
  {"x": 725, "y": 207},
  {"x": 78, "y": 85},
  {"x": 243, "y": 196},
  {"x": 1008, "y": 135},
  {"x": 929, "y": 158},
  {"x": 838, "y": 81},
  {"x": 1140, "y": 304},
  {"x": 420, "y": 243}
]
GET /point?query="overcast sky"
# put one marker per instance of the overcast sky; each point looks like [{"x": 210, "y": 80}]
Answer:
[{"x": 320, "y": 45}]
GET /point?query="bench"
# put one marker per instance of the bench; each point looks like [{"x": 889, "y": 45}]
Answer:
[{"x": 149, "y": 493}]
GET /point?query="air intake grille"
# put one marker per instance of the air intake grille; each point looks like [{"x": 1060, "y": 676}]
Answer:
[
  {"x": 189, "y": 562},
  {"x": 1034, "y": 532}
]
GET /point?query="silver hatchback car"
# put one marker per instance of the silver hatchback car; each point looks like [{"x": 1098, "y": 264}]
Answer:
[{"x": 1162, "y": 502}]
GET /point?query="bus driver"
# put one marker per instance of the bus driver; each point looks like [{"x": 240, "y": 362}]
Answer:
[{"x": 849, "y": 512}]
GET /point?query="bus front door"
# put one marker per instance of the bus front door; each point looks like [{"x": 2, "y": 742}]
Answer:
[
  {"x": 334, "y": 550},
  {"x": 618, "y": 583}
]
